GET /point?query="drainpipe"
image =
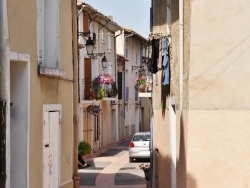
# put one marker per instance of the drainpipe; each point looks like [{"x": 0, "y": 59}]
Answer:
[
  {"x": 181, "y": 50},
  {"x": 76, "y": 176},
  {"x": 4, "y": 48},
  {"x": 118, "y": 136},
  {"x": 125, "y": 46},
  {"x": 4, "y": 94}
]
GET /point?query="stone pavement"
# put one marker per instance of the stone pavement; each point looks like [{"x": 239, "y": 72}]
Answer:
[{"x": 109, "y": 168}]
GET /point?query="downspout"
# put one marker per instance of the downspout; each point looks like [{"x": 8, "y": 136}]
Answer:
[
  {"x": 4, "y": 48},
  {"x": 125, "y": 47},
  {"x": 76, "y": 176},
  {"x": 4, "y": 95},
  {"x": 116, "y": 81},
  {"x": 181, "y": 50}
]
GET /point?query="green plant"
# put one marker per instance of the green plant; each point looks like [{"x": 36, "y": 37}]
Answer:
[
  {"x": 100, "y": 93},
  {"x": 84, "y": 148}
]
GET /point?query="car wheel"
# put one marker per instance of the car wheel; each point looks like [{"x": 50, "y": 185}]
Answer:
[{"x": 131, "y": 159}]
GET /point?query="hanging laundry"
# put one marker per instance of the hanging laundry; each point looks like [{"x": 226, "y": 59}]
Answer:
[
  {"x": 165, "y": 64},
  {"x": 152, "y": 65},
  {"x": 159, "y": 64}
]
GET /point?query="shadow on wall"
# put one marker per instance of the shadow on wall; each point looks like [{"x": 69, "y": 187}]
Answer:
[
  {"x": 162, "y": 168},
  {"x": 159, "y": 6},
  {"x": 165, "y": 91}
]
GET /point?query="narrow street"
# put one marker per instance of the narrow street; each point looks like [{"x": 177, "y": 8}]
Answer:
[{"x": 110, "y": 168}]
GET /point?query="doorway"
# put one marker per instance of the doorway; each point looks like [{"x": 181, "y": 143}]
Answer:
[{"x": 19, "y": 123}]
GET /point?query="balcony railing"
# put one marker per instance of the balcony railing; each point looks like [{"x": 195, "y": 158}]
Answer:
[{"x": 94, "y": 90}]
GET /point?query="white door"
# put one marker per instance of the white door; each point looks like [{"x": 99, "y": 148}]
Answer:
[{"x": 51, "y": 136}]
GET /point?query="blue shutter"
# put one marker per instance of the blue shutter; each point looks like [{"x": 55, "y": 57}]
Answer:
[{"x": 127, "y": 94}]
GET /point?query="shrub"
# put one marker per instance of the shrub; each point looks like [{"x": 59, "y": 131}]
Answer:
[{"x": 84, "y": 148}]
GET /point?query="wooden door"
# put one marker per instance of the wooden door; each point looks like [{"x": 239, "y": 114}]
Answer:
[{"x": 51, "y": 145}]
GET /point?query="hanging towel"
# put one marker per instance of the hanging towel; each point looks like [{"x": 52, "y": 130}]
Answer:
[
  {"x": 159, "y": 64},
  {"x": 165, "y": 63}
]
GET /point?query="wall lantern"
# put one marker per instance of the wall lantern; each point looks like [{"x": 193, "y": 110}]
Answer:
[
  {"x": 104, "y": 62},
  {"x": 90, "y": 44}
]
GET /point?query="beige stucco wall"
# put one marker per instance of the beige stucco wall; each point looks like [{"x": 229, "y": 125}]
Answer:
[
  {"x": 44, "y": 90},
  {"x": 218, "y": 153},
  {"x": 212, "y": 131},
  {"x": 219, "y": 59},
  {"x": 218, "y": 95}
]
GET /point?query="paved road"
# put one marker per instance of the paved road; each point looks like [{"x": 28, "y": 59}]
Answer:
[{"x": 110, "y": 168}]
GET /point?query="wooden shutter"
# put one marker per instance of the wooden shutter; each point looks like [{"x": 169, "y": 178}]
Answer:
[
  {"x": 102, "y": 35},
  {"x": 119, "y": 85},
  {"x": 85, "y": 22},
  {"x": 127, "y": 94},
  {"x": 87, "y": 77},
  {"x": 109, "y": 42}
]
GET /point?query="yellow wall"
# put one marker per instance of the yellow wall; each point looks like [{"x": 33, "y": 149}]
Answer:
[{"x": 45, "y": 90}]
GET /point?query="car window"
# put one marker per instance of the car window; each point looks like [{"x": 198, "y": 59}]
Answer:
[{"x": 145, "y": 137}]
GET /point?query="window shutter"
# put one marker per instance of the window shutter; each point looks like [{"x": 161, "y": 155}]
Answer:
[
  {"x": 136, "y": 95},
  {"x": 85, "y": 22},
  {"x": 109, "y": 67},
  {"x": 102, "y": 35},
  {"x": 94, "y": 37},
  {"x": 119, "y": 85},
  {"x": 127, "y": 94},
  {"x": 109, "y": 43},
  {"x": 151, "y": 19},
  {"x": 40, "y": 31}
]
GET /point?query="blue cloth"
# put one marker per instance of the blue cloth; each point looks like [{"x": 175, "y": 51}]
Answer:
[{"x": 166, "y": 62}]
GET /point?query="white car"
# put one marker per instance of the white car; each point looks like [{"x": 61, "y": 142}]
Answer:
[{"x": 139, "y": 146}]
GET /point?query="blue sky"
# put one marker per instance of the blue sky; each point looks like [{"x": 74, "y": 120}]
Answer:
[{"x": 132, "y": 14}]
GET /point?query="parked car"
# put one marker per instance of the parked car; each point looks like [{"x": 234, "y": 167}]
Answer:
[{"x": 139, "y": 146}]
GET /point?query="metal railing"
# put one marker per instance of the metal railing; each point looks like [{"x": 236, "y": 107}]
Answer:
[{"x": 94, "y": 90}]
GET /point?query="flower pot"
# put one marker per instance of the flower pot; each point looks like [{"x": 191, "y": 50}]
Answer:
[
  {"x": 142, "y": 87},
  {"x": 147, "y": 184}
]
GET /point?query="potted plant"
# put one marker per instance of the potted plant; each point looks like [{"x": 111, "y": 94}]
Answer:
[
  {"x": 100, "y": 93},
  {"x": 94, "y": 110},
  {"x": 141, "y": 83},
  {"x": 146, "y": 170},
  {"x": 84, "y": 148}
]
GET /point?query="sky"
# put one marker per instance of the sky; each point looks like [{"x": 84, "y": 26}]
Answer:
[{"x": 131, "y": 14}]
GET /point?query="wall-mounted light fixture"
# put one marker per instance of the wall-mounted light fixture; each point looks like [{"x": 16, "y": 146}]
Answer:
[
  {"x": 90, "y": 49},
  {"x": 104, "y": 62},
  {"x": 137, "y": 67}
]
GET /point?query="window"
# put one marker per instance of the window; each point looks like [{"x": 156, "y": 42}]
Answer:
[{"x": 48, "y": 33}]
